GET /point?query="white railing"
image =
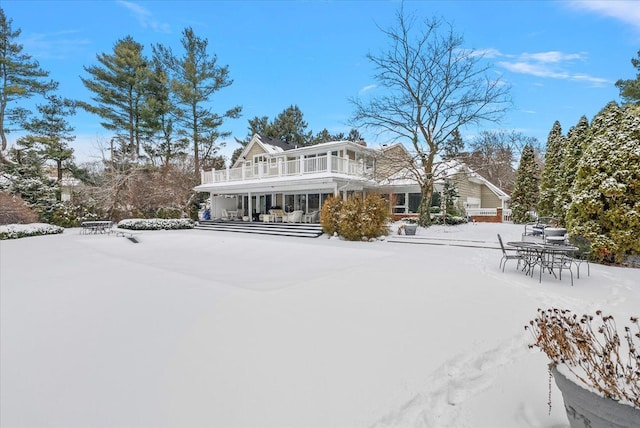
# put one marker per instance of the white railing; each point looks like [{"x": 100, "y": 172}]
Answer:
[
  {"x": 482, "y": 212},
  {"x": 314, "y": 165},
  {"x": 506, "y": 215}
]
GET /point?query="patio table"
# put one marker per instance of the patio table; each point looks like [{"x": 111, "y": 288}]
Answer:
[
  {"x": 101, "y": 226},
  {"x": 549, "y": 257}
]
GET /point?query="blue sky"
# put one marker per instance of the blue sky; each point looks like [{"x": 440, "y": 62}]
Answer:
[{"x": 561, "y": 58}]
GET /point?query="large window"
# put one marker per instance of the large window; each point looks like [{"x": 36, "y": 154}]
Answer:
[
  {"x": 313, "y": 201},
  {"x": 414, "y": 202}
]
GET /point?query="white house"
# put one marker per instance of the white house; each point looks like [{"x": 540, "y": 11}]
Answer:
[{"x": 271, "y": 174}]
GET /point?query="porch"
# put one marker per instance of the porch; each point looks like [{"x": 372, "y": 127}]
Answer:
[{"x": 322, "y": 165}]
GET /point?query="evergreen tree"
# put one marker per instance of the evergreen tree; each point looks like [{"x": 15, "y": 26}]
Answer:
[
  {"x": 453, "y": 146},
  {"x": 158, "y": 121},
  {"x": 50, "y": 133},
  {"x": 120, "y": 87},
  {"x": 354, "y": 135},
  {"x": 574, "y": 145},
  {"x": 20, "y": 78},
  {"x": 291, "y": 127},
  {"x": 605, "y": 206},
  {"x": 551, "y": 171},
  {"x": 196, "y": 77},
  {"x": 630, "y": 88},
  {"x": 524, "y": 198}
]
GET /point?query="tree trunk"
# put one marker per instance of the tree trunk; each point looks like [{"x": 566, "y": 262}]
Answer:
[{"x": 426, "y": 190}]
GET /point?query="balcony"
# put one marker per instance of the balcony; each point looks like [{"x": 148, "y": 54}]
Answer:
[{"x": 319, "y": 165}]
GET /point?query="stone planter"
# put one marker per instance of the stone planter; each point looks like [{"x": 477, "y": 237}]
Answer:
[
  {"x": 410, "y": 229},
  {"x": 586, "y": 409}
]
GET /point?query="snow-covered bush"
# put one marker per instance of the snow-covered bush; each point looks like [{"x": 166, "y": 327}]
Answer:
[
  {"x": 605, "y": 206},
  {"x": 363, "y": 219},
  {"x": 156, "y": 224},
  {"x": 14, "y": 231},
  {"x": 598, "y": 356},
  {"x": 330, "y": 215}
]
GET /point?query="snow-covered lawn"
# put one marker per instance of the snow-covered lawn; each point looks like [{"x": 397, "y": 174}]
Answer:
[{"x": 195, "y": 328}]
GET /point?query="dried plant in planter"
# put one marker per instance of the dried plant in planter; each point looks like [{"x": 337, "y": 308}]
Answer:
[{"x": 594, "y": 354}]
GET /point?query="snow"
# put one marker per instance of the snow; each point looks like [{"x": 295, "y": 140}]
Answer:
[{"x": 199, "y": 328}]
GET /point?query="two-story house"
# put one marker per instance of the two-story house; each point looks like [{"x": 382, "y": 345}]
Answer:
[{"x": 271, "y": 173}]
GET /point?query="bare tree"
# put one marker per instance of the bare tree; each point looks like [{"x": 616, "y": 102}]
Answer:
[
  {"x": 493, "y": 154},
  {"x": 432, "y": 87}
]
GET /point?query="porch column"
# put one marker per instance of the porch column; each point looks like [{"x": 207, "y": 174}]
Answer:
[
  {"x": 243, "y": 167},
  {"x": 302, "y": 164},
  {"x": 250, "y": 209},
  {"x": 335, "y": 190},
  {"x": 329, "y": 161}
]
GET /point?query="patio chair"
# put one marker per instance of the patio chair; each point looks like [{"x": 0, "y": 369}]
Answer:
[
  {"x": 508, "y": 255},
  {"x": 277, "y": 215},
  {"x": 583, "y": 253},
  {"x": 294, "y": 217}
]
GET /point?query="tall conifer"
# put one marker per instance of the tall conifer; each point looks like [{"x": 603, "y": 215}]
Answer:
[
  {"x": 551, "y": 172},
  {"x": 524, "y": 198},
  {"x": 605, "y": 206}
]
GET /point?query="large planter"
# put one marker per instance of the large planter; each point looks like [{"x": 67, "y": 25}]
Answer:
[
  {"x": 410, "y": 229},
  {"x": 586, "y": 409}
]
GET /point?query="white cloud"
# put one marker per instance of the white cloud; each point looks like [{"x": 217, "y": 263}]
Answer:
[
  {"x": 367, "y": 89},
  {"x": 145, "y": 17},
  {"x": 550, "y": 65},
  {"x": 623, "y": 10},
  {"x": 551, "y": 56},
  {"x": 59, "y": 45}
]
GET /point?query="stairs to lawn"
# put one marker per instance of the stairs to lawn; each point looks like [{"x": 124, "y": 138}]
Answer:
[{"x": 300, "y": 230}]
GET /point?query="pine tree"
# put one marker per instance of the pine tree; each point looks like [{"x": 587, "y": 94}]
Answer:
[
  {"x": 196, "y": 77},
  {"x": 50, "y": 133},
  {"x": 605, "y": 206},
  {"x": 630, "y": 88},
  {"x": 20, "y": 78},
  {"x": 119, "y": 88},
  {"x": 551, "y": 171},
  {"x": 574, "y": 145},
  {"x": 524, "y": 198}
]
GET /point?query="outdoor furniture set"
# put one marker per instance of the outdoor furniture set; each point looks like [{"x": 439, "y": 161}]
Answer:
[
  {"x": 297, "y": 216},
  {"x": 551, "y": 251},
  {"x": 99, "y": 226}
]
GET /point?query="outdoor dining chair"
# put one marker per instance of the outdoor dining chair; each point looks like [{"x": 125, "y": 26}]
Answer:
[
  {"x": 508, "y": 255},
  {"x": 583, "y": 253}
]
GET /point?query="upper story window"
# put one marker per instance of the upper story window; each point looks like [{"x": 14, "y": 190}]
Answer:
[{"x": 260, "y": 158}]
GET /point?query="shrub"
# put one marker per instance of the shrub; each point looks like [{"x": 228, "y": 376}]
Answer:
[
  {"x": 330, "y": 215},
  {"x": 13, "y": 210},
  {"x": 15, "y": 231},
  {"x": 357, "y": 218},
  {"x": 593, "y": 355},
  {"x": 156, "y": 224}
]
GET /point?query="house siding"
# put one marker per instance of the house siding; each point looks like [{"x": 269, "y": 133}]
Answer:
[
  {"x": 490, "y": 199},
  {"x": 256, "y": 149}
]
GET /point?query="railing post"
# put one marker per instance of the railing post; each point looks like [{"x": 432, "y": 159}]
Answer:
[
  {"x": 302, "y": 164},
  {"x": 202, "y": 178},
  {"x": 243, "y": 168},
  {"x": 228, "y": 173},
  {"x": 329, "y": 162},
  {"x": 279, "y": 167}
]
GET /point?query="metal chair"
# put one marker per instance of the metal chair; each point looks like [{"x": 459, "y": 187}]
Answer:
[
  {"x": 583, "y": 253},
  {"x": 506, "y": 256}
]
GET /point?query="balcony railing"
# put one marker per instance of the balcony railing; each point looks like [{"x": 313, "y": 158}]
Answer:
[{"x": 281, "y": 168}]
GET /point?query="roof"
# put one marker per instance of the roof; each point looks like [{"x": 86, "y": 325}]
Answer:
[{"x": 442, "y": 171}]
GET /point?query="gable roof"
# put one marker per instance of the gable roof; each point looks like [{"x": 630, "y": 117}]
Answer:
[{"x": 444, "y": 170}]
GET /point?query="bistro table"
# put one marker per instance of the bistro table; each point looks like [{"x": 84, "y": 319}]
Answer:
[
  {"x": 100, "y": 226},
  {"x": 549, "y": 257}
]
